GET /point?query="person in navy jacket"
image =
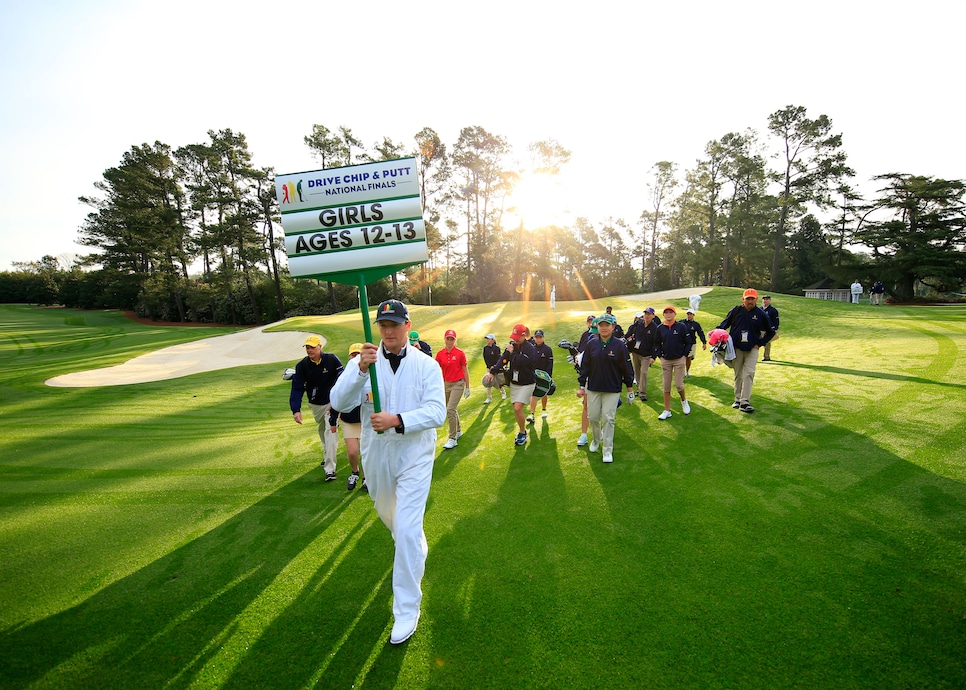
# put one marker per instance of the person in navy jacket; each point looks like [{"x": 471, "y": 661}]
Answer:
[
  {"x": 750, "y": 328},
  {"x": 696, "y": 332},
  {"x": 491, "y": 355},
  {"x": 518, "y": 359},
  {"x": 641, "y": 342},
  {"x": 767, "y": 307},
  {"x": 351, "y": 422},
  {"x": 591, "y": 332},
  {"x": 604, "y": 367},
  {"x": 673, "y": 346},
  {"x": 421, "y": 344},
  {"x": 544, "y": 362},
  {"x": 585, "y": 336},
  {"x": 314, "y": 376}
]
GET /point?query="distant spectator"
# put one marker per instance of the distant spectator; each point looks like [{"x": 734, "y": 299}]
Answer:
[
  {"x": 767, "y": 307},
  {"x": 856, "y": 291},
  {"x": 877, "y": 292}
]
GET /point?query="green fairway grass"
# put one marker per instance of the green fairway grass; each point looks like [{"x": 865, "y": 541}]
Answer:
[{"x": 181, "y": 534}]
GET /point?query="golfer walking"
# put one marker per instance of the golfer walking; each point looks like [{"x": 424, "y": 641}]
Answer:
[
  {"x": 518, "y": 358},
  {"x": 456, "y": 382},
  {"x": 351, "y": 423},
  {"x": 314, "y": 376},
  {"x": 694, "y": 333},
  {"x": 543, "y": 362},
  {"x": 673, "y": 346},
  {"x": 750, "y": 328},
  {"x": 491, "y": 355},
  {"x": 641, "y": 339},
  {"x": 604, "y": 367}
]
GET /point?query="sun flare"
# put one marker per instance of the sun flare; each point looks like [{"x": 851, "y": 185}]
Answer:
[{"x": 539, "y": 201}]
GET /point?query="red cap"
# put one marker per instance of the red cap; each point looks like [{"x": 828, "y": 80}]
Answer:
[
  {"x": 449, "y": 334},
  {"x": 518, "y": 332},
  {"x": 750, "y": 292}
]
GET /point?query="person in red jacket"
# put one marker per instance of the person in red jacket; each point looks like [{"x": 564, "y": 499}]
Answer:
[{"x": 456, "y": 382}]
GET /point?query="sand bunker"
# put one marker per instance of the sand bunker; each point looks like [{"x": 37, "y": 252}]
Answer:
[{"x": 253, "y": 346}]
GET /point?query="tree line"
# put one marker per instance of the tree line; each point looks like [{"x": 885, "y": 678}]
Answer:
[{"x": 192, "y": 234}]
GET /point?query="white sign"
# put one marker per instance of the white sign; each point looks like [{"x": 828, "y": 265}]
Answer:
[{"x": 357, "y": 218}]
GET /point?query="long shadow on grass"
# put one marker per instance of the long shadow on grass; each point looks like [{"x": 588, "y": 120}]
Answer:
[
  {"x": 781, "y": 549},
  {"x": 447, "y": 460},
  {"x": 493, "y": 578},
  {"x": 902, "y": 378},
  {"x": 281, "y": 595},
  {"x": 719, "y": 549}
]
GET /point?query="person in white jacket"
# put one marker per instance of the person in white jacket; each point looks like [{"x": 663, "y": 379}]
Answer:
[{"x": 398, "y": 447}]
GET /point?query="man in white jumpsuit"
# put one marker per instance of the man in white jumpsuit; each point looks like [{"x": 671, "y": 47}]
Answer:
[{"x": 398, "y": 447}]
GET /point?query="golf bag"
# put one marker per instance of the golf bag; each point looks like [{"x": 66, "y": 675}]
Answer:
[{"x": 545, "y": 384}]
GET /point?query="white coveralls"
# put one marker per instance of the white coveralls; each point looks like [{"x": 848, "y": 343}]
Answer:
[{"x": 399, "y": 467}]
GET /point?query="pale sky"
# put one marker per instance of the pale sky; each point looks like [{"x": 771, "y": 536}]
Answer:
[{"x": 622, "y": 85}]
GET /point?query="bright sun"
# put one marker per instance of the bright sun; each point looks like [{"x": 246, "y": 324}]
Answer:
[{"x": 539, "y": 201}]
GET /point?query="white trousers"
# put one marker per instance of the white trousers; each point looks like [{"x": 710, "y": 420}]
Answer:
[
  {"x": 330, "y": 441},
  {"x": 602, "y": 412},
  {"x": 398, "y": 475}
]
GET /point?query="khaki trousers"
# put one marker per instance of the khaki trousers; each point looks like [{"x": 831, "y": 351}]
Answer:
[
  {"x": 767, "y": 349},
  {"x": 640, "y": 371},
  {"x": 454, "y": 393},
  {"x": 601, "y": 413},
  {"x": 745, "y": 364},
  {"x": 330, "y": 441}
]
